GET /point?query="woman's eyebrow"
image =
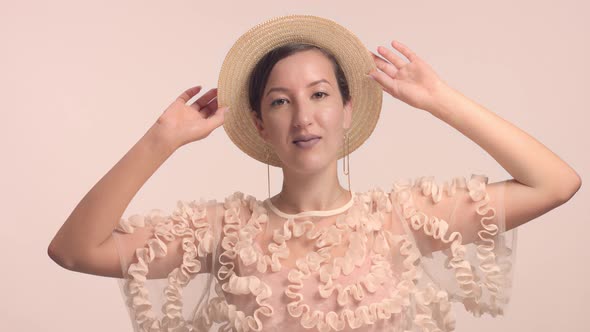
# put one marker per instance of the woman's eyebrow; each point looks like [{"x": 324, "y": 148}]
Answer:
[{"x": 278, "y": 88}]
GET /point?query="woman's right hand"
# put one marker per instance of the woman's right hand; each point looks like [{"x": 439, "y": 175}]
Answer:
[{"x": 181, "y": 124}]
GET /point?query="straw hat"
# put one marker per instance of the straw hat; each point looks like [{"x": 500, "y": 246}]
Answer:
[{"x": 354, "y": 58}]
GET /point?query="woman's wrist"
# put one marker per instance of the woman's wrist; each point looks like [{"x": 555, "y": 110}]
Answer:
[
  {"x": 446, "y": 98},
  {"x": 159, "y": 141}
]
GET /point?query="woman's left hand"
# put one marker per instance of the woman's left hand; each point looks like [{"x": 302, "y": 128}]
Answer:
[{"x": 414, "y": 82}]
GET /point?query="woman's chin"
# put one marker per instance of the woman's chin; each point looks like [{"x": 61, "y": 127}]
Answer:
[{"x": 307, "y": 165}]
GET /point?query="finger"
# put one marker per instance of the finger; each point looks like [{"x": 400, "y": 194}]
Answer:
[
  {"x": 378, "y": 58},
  {"x": 391, "y": 56},
  {"x": 403, "y": 49},
  {"x": 188, "y": 94},
  {"x": 204, "y": 99},
  {"x": 384, "y": 65},
  {"x": 210, "y": 108},
  {"x": 387, "y": 82},
  {"x": 217, "y": 118}
]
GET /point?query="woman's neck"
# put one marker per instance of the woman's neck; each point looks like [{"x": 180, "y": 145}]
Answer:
[{"x": 310, "y": 192}]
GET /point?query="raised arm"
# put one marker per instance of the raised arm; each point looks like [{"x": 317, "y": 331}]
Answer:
[
  {"x": 541, "y": 180},
  {"x": 84, "y": 243}
]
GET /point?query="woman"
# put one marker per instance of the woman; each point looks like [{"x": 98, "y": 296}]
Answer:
[{"x": 316, "y": 255}]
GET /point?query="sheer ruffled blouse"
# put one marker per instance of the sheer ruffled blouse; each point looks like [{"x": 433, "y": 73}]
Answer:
[{"x": 384, "y": 261}]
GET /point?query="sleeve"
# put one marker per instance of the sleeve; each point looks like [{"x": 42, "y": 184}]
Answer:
[
  {"x": 166, "y": 256},
  {"x": 459, "y": 230}
]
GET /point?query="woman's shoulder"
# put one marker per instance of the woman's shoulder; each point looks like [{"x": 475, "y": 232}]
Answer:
[
  {"x": 376, "y": 198},
  {"x": 235, "y": 200},
  {"x": 239, "y": 200},
  {"x": 239, "y": 196},
  {"x": 239, "y": 207}
]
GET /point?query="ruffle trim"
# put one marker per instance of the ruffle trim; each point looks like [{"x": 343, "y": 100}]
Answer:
[
  {"x": 496, "y": 270},
  {"x": 427, "y": 300},
  {"x": 238, "y": 242},
  {"x": 188, "y": 221}
]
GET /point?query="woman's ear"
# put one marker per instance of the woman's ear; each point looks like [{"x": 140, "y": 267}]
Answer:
[
  {"x": 259, "y": 125},
  {"x": 347, "y": 114}
]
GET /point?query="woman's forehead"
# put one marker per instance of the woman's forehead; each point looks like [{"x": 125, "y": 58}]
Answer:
[{"x": 302, "y": 68}]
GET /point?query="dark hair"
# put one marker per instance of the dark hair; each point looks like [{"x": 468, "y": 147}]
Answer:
[{"x": 260, "y": 73}]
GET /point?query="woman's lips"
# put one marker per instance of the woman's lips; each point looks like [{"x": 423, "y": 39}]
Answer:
[{"x": 307, "y": 144}]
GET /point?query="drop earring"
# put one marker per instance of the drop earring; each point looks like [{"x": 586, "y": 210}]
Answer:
[
  {"x": 267, "y": 150},
  {"x": 346, "y": 160}
]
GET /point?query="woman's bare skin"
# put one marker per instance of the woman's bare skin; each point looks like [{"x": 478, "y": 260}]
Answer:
[{"x": 84, "y": 243}]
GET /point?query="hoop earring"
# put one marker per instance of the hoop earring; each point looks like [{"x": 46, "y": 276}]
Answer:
[
  {"x": 267, "y": 150},
  {"x": 346, "y": 161}
]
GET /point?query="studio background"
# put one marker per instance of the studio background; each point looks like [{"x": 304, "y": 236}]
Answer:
[{"x": 81, "y": 82}]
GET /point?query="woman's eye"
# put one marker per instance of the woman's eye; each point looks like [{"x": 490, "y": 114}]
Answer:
[
  {"x": 281, "y": 101},
  {"x": 277, "y": 101}
]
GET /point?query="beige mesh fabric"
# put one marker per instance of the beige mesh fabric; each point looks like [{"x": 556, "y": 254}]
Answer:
[{"x": 385, "y": 261}]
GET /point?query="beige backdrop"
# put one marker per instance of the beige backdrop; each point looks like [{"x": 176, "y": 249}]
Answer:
[{"x": 82, "y": 81}]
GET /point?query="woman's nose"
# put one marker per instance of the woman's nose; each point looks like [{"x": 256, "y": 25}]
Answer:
[{"x": 302, "y": 115}]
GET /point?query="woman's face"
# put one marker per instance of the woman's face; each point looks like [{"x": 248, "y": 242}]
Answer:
[{"x": 301, "y": 97}]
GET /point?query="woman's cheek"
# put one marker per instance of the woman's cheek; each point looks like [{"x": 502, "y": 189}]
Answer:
[{"x": 327, "y": 115}]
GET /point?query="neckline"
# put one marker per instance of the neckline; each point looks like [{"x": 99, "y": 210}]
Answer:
[{"x": 317, "y": 213}]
